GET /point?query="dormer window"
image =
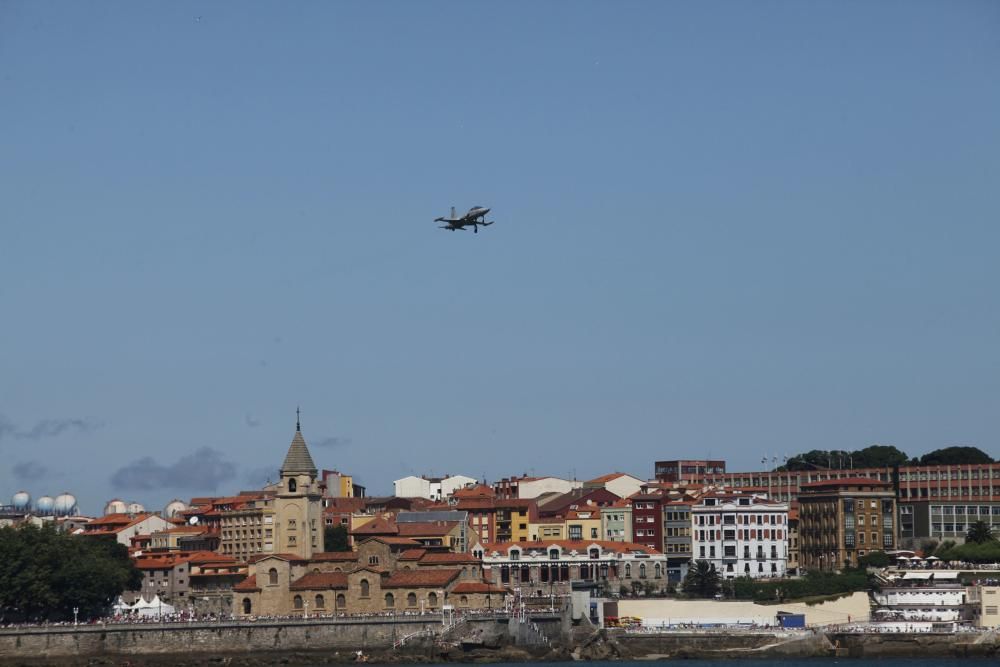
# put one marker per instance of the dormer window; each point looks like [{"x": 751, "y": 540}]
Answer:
[
  {"x": 595, "y": 554},
  {"x": 515, "y": 554},
  {"x": 709, "y": 502},
  {"x": 553, "y": 554}
]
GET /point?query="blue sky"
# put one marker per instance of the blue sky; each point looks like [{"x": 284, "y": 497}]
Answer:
[{"x": 723, "y": 228}]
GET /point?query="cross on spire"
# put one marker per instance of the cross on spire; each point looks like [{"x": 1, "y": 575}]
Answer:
[{"x": 298, "y": 425}]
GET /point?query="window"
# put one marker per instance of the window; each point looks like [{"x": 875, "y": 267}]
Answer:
[
  {"x": 246, "y": 605},
  {"x": 272, "y": 577},
  {"x": 642, "y": 570},
  {"x": 341, "y": 601},
  {"x": 432, "y": 599},
  {"x": 291, "y": 486},
  {"x": 553, "y": 554},
  {"x": 297, "y": 602},
  {"x": 515, "y": 554},
  {"x": 373, "y": 560},
  {"x": 411, "y": 600},
  {"x": 628, "y": 569},
  {"x": 364, "y": 588},
  {"x": 390, "y": 601},
  {"x": 320, "y": 602}
]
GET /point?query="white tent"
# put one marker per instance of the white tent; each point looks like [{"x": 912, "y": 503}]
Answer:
[
  {"x": 119, "y": 607},
  {"x": 154, "y": 607}
]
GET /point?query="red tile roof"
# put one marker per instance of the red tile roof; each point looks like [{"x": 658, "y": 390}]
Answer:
[
  {"x": 247, "y": 585},
  {"x": 436, "y": 558},
  {"x": 320, "y": 580},
  {"x": 427, "y": 528},
  {"x": 420, "y": 578},
  {"x": 412, "y": 554},
  {"x": 377, "y": 526}
]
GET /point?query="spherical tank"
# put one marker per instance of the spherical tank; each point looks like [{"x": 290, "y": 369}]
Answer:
[
  {"x": 44, "y": 505},
  {"x": 115, "y": 506},
  {"x": 21, "y": 500},
  {"x": 65, "y": 504},
  {"x": 136, "y": 508},
  {"x": 174, "y": 508}
]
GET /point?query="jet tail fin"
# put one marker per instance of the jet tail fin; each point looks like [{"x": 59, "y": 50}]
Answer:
[{"x": 452, "y": 212}]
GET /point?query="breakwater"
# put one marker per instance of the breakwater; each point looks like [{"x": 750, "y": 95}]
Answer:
[{"x": 330, "y": 637}]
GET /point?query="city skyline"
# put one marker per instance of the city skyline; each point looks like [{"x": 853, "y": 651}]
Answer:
[{"x": 722, "y": 230}]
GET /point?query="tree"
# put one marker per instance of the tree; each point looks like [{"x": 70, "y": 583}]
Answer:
[
  {"x": 879, "y": 456},
  {"x": 874, "y": 559},
  {"x": 979, "y": 533},
  {"x": 702, "y": 580},
  {"x": 44, "y": 574},
  {"x": 955, "y": 456},
  {"x": 335, "y": 539}
]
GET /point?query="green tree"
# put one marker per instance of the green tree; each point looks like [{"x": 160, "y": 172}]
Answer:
[
  {"x": 702, "y": 580},
  {"x": 879, "y": 456},
  {"x": 874, "y": 559},
  {"x": 44, "y": 574},
  {"x": 979, "y": 533},
  {"x": 335, "y": 539},
  {"x": 955, "y": 456}
]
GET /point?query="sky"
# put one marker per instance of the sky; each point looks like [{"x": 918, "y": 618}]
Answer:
[{"x": 725, "y": 229}]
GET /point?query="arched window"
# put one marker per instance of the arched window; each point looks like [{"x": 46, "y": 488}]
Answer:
[
  {"x": 553, "y": 554},
  {"x": 341, "y": 601},
  {"x": 585, "y": 572},
  {"x": 659, "y": 571},
  {"x": 642, "y": 570},
  {"x": 463, "y": 601},
  {"x": 297, "y": 602},
  {"x": 246, "y": 605},
  {"x": 272, "y": 577},
  {"x": 320, "y": 602},
  {"x": 390, "y": 601},
  {"x": 292, "y": 486},
  {"x": 411, "y": 600},
  {"x": 432, "y": 599},
  {"x": 364, "y": 588},
  {"x": 628, "y": 570}
]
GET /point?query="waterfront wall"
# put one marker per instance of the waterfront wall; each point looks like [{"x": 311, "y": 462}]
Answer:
[
  {"x": 852, "y": 608},
  {"x": 324, "y": 635}
]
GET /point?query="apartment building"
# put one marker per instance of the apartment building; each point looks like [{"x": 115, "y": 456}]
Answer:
[{"x": 743, "y": 535}]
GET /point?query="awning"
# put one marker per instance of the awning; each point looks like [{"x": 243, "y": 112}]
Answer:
[
  {"x": 944, "y": 575},
  {"x": 917, "y": 575}
]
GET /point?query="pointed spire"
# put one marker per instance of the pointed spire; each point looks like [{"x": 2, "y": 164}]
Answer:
[{"x": 298, "y": 459}]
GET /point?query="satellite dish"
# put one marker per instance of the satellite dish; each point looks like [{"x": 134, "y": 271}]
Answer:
[{"x": 193, "y": 521}]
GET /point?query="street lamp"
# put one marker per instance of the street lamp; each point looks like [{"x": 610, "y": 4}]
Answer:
[
  {"x": 305, "y": 610},
  {"x": 76, "y": 610}
]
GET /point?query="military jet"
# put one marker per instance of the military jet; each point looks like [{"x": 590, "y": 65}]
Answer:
[{"x": 474, "y": 218}]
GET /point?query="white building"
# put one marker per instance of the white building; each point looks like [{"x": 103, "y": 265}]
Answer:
[
  {"x": 432, "y": 488},
  {"x": 743, "y": 535},
  {"x": 618, "y": 483},
  {"x": 921, "y": 596},
  {"x": 532, "y": 487}
]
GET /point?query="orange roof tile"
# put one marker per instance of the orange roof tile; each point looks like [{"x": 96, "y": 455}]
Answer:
[
  {"x": 412, "y": 554},
  {"x": 320, "y": 580},
  {"x": 448, "y": 557},
  {"x": 420, "y": 578},
  {"x": 247, "y": 585}
]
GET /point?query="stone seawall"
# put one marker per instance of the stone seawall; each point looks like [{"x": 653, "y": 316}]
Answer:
[{"x": 327, "y": 636}]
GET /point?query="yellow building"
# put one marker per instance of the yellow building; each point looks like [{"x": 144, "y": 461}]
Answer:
[
  {"x": 549, "y": 528},
  {"x": 583, "y": 524}
]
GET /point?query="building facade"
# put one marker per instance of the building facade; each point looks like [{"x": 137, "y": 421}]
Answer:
[
  {"x": 841, "y": 520},
  {"x": 743, "y": 535}
]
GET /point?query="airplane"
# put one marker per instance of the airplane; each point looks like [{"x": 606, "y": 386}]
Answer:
[{"x": 475, "y": 217}]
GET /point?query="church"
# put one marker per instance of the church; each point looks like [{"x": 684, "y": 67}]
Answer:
[{"x": 382, "y": 575}]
